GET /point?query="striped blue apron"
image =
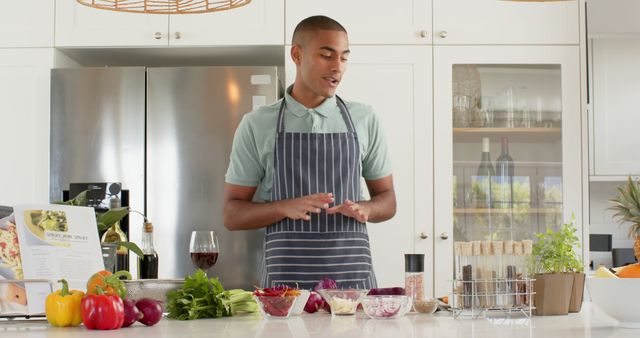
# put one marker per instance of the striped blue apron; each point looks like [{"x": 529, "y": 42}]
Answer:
[{"x": 298, "y": 252}]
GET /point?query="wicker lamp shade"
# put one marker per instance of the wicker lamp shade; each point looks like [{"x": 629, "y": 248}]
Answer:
[{"x": 165, "y": 6}]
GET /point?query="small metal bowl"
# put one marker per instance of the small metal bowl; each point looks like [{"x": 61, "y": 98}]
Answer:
[{"x": 152, "y": 288}]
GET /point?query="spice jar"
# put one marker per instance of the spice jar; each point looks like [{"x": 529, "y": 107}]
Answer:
[{"x": 414, "y": 277}]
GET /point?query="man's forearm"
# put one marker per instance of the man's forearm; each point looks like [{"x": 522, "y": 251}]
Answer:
[
  {"x": 247, "y": 215},
  {"x": 381, "y": 206}
]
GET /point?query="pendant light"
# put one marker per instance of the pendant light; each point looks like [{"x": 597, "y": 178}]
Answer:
[{"x": 165, "y": 6}]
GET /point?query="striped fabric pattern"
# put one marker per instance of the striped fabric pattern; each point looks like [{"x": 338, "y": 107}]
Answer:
[{"x": 300, "y": 253}]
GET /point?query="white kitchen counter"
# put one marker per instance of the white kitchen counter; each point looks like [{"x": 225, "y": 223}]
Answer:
[{"x": 589, "y": 323}]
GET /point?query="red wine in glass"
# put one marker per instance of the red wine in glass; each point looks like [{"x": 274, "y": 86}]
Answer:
[
  {"x": 203, "y": 249},
  {"x": 204, "y": 260}
]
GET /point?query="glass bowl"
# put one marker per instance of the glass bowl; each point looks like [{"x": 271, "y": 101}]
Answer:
[
  {"x": 301, "y": 301},
  {"x": 427, "y": 306},
  {"x": 342, "y": 301},
  {"x": 275, "y": 306},
  {"x": 386, "y": 306}
]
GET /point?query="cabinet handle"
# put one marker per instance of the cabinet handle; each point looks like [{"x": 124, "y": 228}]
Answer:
[
  {"x": 157, "y": 36},
  {"x": 178, "y": 35},
  {"x": 444, "y": 235},
  {"x": 423, "y": 235},
  {"x": 423, "y": 34},
  {"x": 443, "y": 34}
]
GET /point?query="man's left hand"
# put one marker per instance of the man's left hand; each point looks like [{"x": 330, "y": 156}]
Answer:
[{"x": 351, "y": 209}]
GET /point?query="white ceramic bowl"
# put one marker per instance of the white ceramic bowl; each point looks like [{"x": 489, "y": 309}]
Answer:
[
  {"x": 298, "y": 307},
  {"x": 618, "y": 298}
]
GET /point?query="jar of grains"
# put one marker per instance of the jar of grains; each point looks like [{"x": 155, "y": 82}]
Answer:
[{"x": 414, "y": 277}]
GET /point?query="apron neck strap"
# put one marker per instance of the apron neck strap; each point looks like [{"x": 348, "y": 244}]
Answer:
[{"x": 341, "y": 105}]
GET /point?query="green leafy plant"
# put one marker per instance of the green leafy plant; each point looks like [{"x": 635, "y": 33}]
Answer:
[
  {"x": 106, "y": 219},
  {"x": 554, "y": 250},
  {"x": 627, "y": 206}
]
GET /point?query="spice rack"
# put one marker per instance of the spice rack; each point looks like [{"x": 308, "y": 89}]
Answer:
[
  {"x": 492, "y": 276},
  {"x": 13, "y": 312}
]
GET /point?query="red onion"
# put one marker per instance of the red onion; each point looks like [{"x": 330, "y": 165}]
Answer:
[
  {"x": 151, "y": 311},
  {"x": 131, "y": 313}
]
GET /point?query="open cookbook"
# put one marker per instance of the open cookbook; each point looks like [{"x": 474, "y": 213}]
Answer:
[{"x": 40, "y": 244}]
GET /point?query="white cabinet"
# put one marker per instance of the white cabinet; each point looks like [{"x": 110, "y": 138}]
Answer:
[
  {"x": 616, "y": 116},
  {"x": 27, "y": 23},
  {"x": 613, "y": 19},
  {"x": 457, "y": 22},
  {"x": 531, "y": 96},
  {"x": 369, "y": 21},
  {"x": 24, "y": 112},
  {"x": 258, "y": 23},
  {"x": 396, "y": 81}
]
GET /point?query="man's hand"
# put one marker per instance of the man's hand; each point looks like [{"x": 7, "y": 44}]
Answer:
[
  {"x": 299, "y": 208},
  {"x": 351, "y": 209}
]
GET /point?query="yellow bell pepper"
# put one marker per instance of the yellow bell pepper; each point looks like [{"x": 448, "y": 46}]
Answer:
[{"x": 63, "y": 306}]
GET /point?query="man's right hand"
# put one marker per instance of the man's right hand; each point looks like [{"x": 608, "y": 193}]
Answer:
[{"x": 299, "y": 208}]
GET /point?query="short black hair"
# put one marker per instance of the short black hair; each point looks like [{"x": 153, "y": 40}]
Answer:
[{"x": 315, "y": 23}]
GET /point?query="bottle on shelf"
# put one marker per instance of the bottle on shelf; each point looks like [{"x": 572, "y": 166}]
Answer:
[
  {"x": 148, "y": 263},
  {"x": 505, "y": 170},
  {"x": 484, "y": 177},
  {"x": 115, "y": 234}
]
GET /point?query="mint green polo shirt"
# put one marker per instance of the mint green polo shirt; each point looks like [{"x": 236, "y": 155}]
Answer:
[{"x": 252, "y": 155}]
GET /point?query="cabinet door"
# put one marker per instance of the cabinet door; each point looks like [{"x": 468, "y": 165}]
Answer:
[
  {"x": 396, "y": 81},
  {"x": 27, "y": 23},
  {"x": 369, "y": 21},
  {"x": 24, "y": 112},
  {"x": 524, "y": 102},
  {"x": 505, "y": 22},
  {"x": 257, "y": 23},
  {"x": 81, "y": 26},
  {"x": 615, "y": 114}
]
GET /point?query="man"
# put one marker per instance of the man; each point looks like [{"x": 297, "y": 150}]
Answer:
[{"x": 305, "y": 155}]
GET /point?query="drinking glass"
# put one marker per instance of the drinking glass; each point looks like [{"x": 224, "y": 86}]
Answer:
[
  {"x": 204, "y": 249},
  {"x": 461, "y": 106}
]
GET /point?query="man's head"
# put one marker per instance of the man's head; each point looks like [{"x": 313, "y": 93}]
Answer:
[{"x": 320, "y": 48}]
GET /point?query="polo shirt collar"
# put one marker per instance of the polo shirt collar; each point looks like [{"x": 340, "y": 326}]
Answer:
[{"x": 326, "y": 108}]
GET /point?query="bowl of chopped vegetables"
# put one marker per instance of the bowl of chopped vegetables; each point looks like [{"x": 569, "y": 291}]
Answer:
[
  {"x": 276, "y": 302},
  {"x": 342, "y": 301},
  {"x": 386, "y": 306}
]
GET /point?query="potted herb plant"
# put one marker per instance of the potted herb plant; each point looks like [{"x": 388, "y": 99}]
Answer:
[
  {"x": 107, "y": 219},
  {"x": 559, "y": 284},
  {"x": 627, "y": 209}
]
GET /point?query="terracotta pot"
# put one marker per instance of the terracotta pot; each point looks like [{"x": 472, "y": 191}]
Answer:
[
  {"x": 577, "y": 292},
  {"x": 553, "y": 294}
]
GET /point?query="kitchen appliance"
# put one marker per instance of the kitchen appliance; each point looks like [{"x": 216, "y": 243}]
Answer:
[{"x": 166, "y": 134}]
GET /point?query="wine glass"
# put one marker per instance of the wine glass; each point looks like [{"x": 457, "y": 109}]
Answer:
[{"x": 204, "y": 249}]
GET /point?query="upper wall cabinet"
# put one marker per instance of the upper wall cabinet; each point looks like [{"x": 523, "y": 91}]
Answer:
[
  {"x": 81, "y": 26},
  {"x": 369, "y": 21},
  {"x": 457, "y": 22},
  {"x": 258, "y": 23},
  {"x": 616, "y": 83},
  {"x": 608, "y": 20},
  {"x": 27, "y": 23}
]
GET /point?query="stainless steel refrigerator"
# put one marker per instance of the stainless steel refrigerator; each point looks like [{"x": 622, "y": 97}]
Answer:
[{"x": 166, "y": 134}]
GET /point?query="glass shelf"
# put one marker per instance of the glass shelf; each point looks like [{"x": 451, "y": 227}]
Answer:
[
  {"x": 522, "y": 210},
  {"x": 537, "y": 135}
]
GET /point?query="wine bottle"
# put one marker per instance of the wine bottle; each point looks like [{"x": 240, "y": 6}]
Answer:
[
  {"x": 148, "y": 263},
  {"x": 504, "y": 177},
  {"x": 484, "y": 176}
]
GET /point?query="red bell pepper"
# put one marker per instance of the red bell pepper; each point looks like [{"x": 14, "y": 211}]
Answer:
[{"x": 102, "y": 312}]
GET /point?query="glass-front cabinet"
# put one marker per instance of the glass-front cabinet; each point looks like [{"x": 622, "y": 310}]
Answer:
[{"x": 507, "y": 132}]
